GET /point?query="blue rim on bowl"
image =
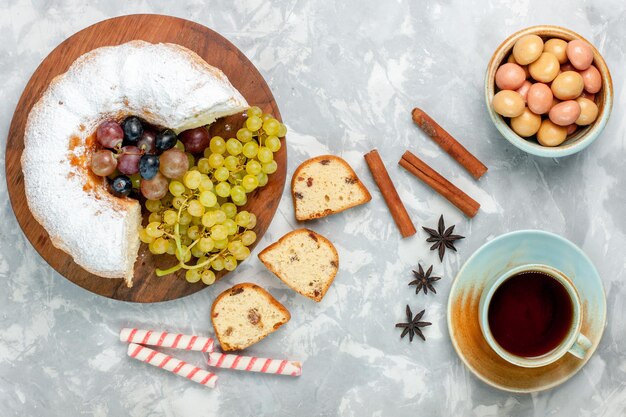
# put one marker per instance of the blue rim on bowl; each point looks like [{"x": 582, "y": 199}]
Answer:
[{"x": 578, "y": 141}]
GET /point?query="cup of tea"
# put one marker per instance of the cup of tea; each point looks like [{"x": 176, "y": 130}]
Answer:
[{"x": 531, "y": 316}]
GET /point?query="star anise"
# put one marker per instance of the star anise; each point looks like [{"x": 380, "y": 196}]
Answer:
[
  {"x": 442, "y": 237},
  {"x": 423, "y": 280},
  {"x": 413, "y": 324}
]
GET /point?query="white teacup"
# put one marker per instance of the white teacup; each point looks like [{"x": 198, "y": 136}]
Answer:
[{"x": 574, "y": 341}]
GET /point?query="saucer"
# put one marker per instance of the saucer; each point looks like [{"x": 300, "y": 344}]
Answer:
[{"x": 491, "y": 260}]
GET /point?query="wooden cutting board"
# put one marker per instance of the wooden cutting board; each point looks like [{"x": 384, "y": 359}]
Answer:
[{"x": 218, "y": 52}]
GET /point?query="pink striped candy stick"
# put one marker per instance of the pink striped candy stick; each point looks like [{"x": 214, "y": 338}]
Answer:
[
  {"x": 254, "y": 364},
  {"x": 165, "y": 339},
  {"x": 170, "y": 363}
]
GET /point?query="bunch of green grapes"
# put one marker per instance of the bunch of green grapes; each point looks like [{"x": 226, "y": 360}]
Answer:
[{"x": 199, "y": 221}]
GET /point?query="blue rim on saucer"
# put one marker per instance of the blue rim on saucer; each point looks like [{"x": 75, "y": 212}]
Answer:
[{"x": 494, "y": 258}]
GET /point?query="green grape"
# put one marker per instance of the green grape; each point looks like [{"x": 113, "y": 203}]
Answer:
[
  {"x": 216, "y": 160},
  {"x": 192, "y": 275},
  {"x": 144, "y": 236},
  {"x": 219, "y": 232},
  {"x": 242, "y": 254},
  {"x": 196, "y": 251},
  {"x": 221, "y": 244},
  {"x": 167, "y": 200},
  {"x": 185, "y": 240},
  {"x": 270, "y": 167},
  {"x": 135, "y": 179},
  {"x": 218, "y": 263},
  {"x": 201, "y": 259},
  {"x": 191, "y": 159},
  {"x": 265, "y": 155},
  {"x": 249, "y": 183},
  {"x": 196, "y": 221},
  {"x": 205, "y": 183},
  {"x": 169, "y": 217},
  {"x": 195, "y": 208},
  {"x": 203, "y": 165},
  {"x": 254, "y": 111},
  {"x": 179, "y": 145},
  {"x": 207, "y": 198},
  {"x": 208, "y": 277},
  {"x": 176, "y": 188},
  {"x": 234, "y": 147},
  {"x": 192, "y": 179},
  {"x": 243, "y": 218},
  {"x": 252, "y": 221},
  {"x": 237, "y": 193},
  {"x": 153, "y": 229},
  {"x": 154, "y": 217},
  {"x": 230, "y": 263},
  {"x": 235, "y": 246},
  {"x": 220, "y": 216},
  {"x": 266, "y": 117},
  {"x": 153, "y": 205},
  {"x": 244, "y": 135},
  {"x": 271, "y": 126},
  {"x": 185, "y": 218},
  {"x": 282, "y": 131},
  {"x": 263, "y": 179},
  {"x": 231, "y": 226},
  {"x": 217, "y": 145},
  {"x": 272, "y": 143},
  {"x": 184, "y": 252},
  {"x": 241, "y": 202},
  {"x": 254, "y": 123},
  {"x": 222, "y": 189},
  {"x": 178, "y": 202},
  {"x": 229, "y": 210},
  {"x": 193, "y": 232},
  {"x": 248, "y": 237},
  {"x": 206, "y": 244},
  {"x": 231, "y": 163},
  {"x": 171, "y": 247},
  {"x": 253, "y": 167},
  {"x": 221, "y": 174},
  {"x": 209, "y": 219},
  {"x": 159, "y": 246},
  {"x": 250, "y": 149}
]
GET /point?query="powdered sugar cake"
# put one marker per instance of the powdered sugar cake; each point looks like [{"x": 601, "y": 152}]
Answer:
[{"x": 178, "y": 90}]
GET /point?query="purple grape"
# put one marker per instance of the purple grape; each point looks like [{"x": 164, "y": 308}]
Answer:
[
  {"x": 121, "y": 186},
  {"x": 147, "y": 143},
  {"x": 148, "y": 166},
  {"x": 110, "y": 134},
  {"x": 133, "y": 129},
  {"x": 195, "y": 140},
  {"x": 174, "y": 163},
  {"x": 103, "y": 162},
  {"x": 166, "y": 140},
  {"x": 155, "y": 188},
  {"x": 128, "y": 161}
]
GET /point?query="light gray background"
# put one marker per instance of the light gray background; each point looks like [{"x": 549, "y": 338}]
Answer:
[{"x": 346, "y": 75}]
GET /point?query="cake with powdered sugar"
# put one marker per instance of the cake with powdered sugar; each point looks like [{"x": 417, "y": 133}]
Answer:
[{"x": 164, "y": 84}]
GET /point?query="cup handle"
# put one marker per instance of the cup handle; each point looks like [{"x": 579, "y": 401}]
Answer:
[{"x": 580, "y": 347}]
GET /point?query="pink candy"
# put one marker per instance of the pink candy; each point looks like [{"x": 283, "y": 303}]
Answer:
[{"x": 254, "y": 364}]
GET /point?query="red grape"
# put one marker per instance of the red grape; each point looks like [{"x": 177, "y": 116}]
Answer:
[
  {"x": 147, "y": 143},
  {"x": 174, "y": 163},
  {"x": 155, "y": 188},
  {"x": 110, "y": 134},
  {"x": 128, "y": 161},
  {"x": 195, "y": 140},
  {"x": 103, "y": 162}
]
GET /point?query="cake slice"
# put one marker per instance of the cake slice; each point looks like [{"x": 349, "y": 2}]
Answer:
[
  {"x": 304, "y": 260},
  {"x": 326, "y": 185},
  {"x": 245, "y": 314}
]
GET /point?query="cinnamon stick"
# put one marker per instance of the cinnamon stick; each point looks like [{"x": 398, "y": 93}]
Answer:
[
  {"x": 437, "y": 182},
  {"x": 448, "y": 143},
  {"x": 387, "y": 189}
]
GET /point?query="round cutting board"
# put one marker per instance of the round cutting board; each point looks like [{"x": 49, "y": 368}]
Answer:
[{"x": 218, "y": 52}]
